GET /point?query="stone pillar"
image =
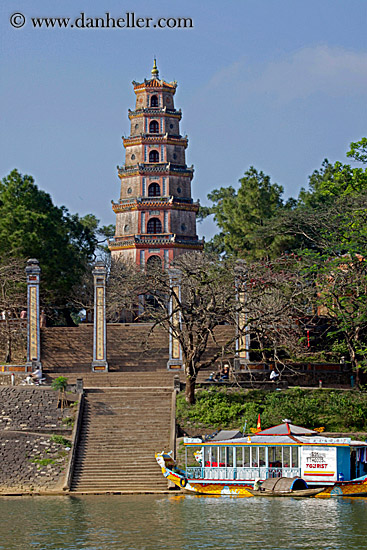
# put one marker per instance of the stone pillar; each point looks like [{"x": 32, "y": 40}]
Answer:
[
  {"x": 99, "y": 329},
  {"x": 33, "y": 272},
  {"x": 175, "y": 351}
]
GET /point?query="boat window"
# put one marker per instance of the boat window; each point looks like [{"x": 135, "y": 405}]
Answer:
[
  {"x": 294, "y": 462},
  {"x": 246, "y": 456},
  {"x": 262, "y": 458},
  {"x": 255, "y": 457},
  {"x": 286, "y": 457},
  {"x": 275, "y": 457},
  {"x": 207, "y": 456},
  {"x": 230, "y": 456},
  {"x": 216, "y": 456},
  {"x": 239, "y": 457},
  {"x": 222, "y": 456},
  {"x": 193, "y": 458}
]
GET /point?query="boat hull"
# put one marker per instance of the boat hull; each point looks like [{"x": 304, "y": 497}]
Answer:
[
  {"x": 304, "y": 493},
  {"x": 204, "y": 487},
  {"x": 197, "y": 486},
  {"x": 354, "y": 488}
]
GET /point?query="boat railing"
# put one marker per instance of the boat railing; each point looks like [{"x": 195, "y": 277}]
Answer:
[{"x": 240, "y": 473}]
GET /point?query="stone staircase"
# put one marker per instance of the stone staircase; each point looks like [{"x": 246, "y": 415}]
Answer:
[
  {"x": 158, "y": 379},
  {"x": 122, "y": 427},
  {"x": 131, "y": 347}
]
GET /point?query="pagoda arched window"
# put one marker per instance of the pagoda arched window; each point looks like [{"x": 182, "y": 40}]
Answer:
[
  {"x": 154, "y": 101},
  {"x": 154, "y": 127},
  {"x": 154, "y": 190},
  {"x": 154, "y": 226},
  {"x": 154, "y": 262},
  {"x": 154, "y": 156}
]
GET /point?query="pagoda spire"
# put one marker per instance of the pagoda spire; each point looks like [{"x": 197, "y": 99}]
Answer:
[{"x": 155, "y": 72}]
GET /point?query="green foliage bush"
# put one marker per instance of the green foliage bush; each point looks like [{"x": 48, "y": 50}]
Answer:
[
  {"x": 219, "y": 408},
  {"x": 60, "y": 440},
  {"x": 60, "y": 383}
]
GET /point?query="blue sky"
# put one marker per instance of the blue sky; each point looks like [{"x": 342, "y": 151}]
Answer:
[{"x": 278, "y": 84}]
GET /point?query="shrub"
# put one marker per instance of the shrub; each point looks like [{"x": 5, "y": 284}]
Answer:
[
  {"x": 335, "y": 410},
  {"x": 60, "y": 440}
]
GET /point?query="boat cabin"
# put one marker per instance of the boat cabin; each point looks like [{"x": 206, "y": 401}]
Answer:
[{"x": 282, "y": 451}]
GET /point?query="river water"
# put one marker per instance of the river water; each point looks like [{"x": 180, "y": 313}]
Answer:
[{"x": 178, "y": 522}]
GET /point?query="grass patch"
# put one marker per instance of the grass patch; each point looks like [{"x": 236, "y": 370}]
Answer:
[
  {"x": 43, "y": 461},
  {"x": 344, "y": 411},
  {"x": 60, "y": 440},
  {"x": 68, "y": 421}
]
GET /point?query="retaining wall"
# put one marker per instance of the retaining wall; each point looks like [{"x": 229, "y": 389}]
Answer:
[{"x": 31, "y": 460}]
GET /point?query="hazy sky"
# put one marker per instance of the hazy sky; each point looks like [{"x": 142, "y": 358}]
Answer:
[{"x": 278, "y": 84}]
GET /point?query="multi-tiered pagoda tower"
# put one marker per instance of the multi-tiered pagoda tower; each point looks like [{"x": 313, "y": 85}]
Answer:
[{"x": 155, "y": 216}]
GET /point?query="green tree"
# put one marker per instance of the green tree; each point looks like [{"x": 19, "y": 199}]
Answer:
[
  {"x": 32, "y": 226},
  {"x": 358, "y": 150},
  {"x": 331, "y": 183},
  {"x": 241, "y": 214},
  {"x": 341, "y": 285}
]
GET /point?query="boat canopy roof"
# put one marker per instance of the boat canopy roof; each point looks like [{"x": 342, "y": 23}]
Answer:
[
  {"x": 283, "y": 434},
  {"x": 287, "y": 429},
  {"x": 273, "y": 441}
]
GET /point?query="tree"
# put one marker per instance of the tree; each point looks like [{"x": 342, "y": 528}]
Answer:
[
  {"x": 332, "y": 229},
  {"x": 32, "y": 226},
  {"x": 101, "y": 233},
  {"x": 240, "y": 214},
  {"x": 13, "y": 300},
  {"x": 342, "y": 295},
  {"x": 358, "y": 150},
  {"x": 276, "y": 301},
  {"x": 331, "y": 183},
  {"x": 60, "y": 384},
  {"x": 334, "y": 256},
  {"x": 208, "y": 299}
]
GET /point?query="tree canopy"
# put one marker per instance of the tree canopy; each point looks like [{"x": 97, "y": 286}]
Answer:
[
  {"x": 31, "y": 226},
  {"x": 325, "y": 227},
  {"x": 241, "y": 214}
]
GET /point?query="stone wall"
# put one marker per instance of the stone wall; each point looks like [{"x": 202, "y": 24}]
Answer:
[{"x": 34, "y": 436}]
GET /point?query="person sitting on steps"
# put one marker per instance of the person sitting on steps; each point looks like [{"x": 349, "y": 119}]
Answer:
[{"x": 274, "y": 376}]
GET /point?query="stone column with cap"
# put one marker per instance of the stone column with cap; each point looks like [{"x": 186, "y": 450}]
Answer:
[
  {"x": 175, "y": 351},
  {"x": 33, "y": 272},
  {"x": 242, "y": 357},
  {"x": 99, "y": 330}
]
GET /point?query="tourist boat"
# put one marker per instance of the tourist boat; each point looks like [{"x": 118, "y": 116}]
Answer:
[{"x": 230, "y": 466}]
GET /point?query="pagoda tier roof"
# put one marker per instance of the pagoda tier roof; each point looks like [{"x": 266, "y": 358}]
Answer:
[
  {"x": 156, "y": 203},
  {"x": 164, "y": 168},
  {"x": 166, "y": 139},
  {"x": 155, "y": 83},
  {"x": 163, "y": 240},
  {"x": 157, "y": 111}
]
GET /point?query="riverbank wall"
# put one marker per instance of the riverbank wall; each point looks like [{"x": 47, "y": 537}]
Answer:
[{"x": 35, "y": 440}]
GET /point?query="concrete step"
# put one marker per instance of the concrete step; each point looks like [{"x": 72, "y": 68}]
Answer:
[{"x": 121, "y": 430}]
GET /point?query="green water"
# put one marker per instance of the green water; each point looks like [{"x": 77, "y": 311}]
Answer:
[{"x": 149, "y": 522}]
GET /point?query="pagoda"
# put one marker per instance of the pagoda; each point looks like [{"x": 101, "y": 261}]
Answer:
[{"x": 155, "y": 215}]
